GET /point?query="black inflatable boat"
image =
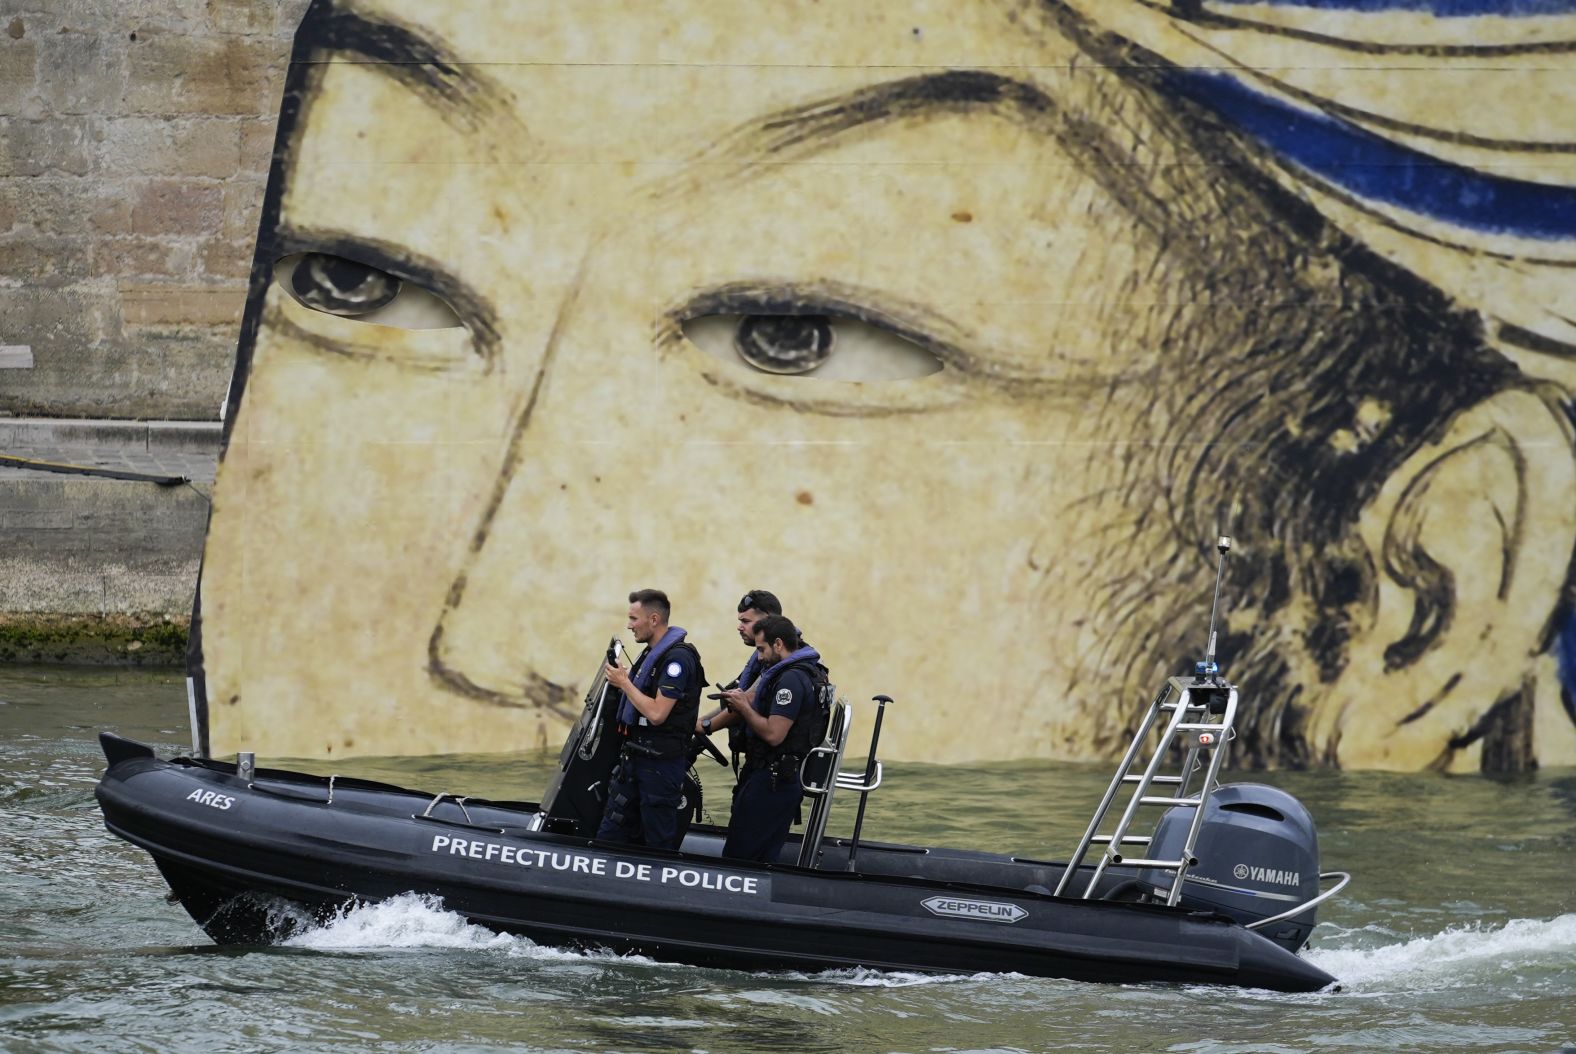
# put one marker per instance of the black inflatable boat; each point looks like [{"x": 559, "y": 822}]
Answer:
[{"x": 1224, "y": 893}]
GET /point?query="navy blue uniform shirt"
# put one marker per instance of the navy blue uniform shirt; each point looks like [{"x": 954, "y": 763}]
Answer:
[
  {"x": 792, "y": 694},
  {"x": 677, "y": 674}
]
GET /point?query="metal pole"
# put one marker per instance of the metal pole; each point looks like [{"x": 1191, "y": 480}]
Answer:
[
  {"x": 1223, "y": 546},
  {"x": 881, "y": 702}
]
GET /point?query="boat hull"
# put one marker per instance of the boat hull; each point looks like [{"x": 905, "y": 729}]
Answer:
[{"x": 247, "y": 859}]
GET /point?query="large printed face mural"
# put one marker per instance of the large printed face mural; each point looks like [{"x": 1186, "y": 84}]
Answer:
[{"x": 965, "y": 328}]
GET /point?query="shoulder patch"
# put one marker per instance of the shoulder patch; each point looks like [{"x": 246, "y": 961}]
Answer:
[
  {"x": 784, "y": 697},
  {"x": 674, "y": 669}
]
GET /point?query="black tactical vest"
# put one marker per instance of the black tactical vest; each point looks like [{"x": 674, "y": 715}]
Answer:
[
  {"x": 671, "y": 738},
  {"x": 808, "y": 729}
]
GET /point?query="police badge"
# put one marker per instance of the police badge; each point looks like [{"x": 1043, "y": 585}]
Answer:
[{"x": 784, "y": 697}]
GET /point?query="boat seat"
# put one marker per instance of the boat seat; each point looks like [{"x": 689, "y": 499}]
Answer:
[{"x": 818, "y": 773}]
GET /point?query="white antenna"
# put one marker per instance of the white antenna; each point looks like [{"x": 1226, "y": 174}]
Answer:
[{"x": 1223, "y": 546}]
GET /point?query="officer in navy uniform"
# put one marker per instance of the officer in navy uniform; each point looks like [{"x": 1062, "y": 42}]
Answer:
[
  {"x": 753, "y": 606},
  {"x": 657, "y": 717},
  {"x": 782, "y": 722}
]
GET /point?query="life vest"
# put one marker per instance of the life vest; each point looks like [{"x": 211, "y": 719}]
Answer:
[
  {"x": 736, "y": 737},
  {"x": 671, "y": 738},
  {"x": 808, "y": 729}
]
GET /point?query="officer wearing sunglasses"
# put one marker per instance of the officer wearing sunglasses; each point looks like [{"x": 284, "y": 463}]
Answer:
[{"x": 753, "y": 606}]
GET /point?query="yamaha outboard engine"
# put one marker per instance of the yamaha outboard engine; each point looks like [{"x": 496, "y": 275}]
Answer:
[{"x": 1258, "y": 856}]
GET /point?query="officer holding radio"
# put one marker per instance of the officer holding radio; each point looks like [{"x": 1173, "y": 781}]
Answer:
[{"x": 657, "y": 715}]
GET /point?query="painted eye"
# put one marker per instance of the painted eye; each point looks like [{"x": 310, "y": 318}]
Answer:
[
  {"x": 351, "y": 289},
  {"x": 823, "y": 346},
  {"x": 340, "y": 286},
  {"x": 784, "y": 343}
]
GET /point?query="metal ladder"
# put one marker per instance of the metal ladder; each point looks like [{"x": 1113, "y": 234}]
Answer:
[
  {"x": 1192, "y": 705},
  {"x": 1202, "y": 709}
]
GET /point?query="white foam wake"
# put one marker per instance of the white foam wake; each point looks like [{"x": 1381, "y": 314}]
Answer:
[
  {"x": 413, "y": 920},
  {"x": 1458, "y": 954},
  {"x": 1461, "y": 954},
  {"x": 866, "y": 977}
]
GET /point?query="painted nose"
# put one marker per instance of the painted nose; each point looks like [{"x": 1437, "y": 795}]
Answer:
[{"x": 526, "y": 620}]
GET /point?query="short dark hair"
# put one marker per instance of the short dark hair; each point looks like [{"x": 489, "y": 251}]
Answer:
[
  {"x": 777, "y": 627},
  {"x": 762, "y": 601},
  {"x": 652, "y": 600}
]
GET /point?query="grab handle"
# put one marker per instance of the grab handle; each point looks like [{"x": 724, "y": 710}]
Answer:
[{"x": 1300, "y": 908}]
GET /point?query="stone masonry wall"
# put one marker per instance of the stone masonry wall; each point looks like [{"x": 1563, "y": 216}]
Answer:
[
  {"x": 134, "y": 143},
  {"x": 97, "y": 570}
]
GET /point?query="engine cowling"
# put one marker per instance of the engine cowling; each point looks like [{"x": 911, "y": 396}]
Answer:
[{"x": 1258, "y": 856}]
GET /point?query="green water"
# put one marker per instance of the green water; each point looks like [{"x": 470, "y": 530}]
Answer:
[{"x": 1458, "y": 933}]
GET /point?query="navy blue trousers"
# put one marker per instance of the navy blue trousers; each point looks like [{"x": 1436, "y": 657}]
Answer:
[
  {"x": 761, "y": 816},
  {"x": 643, "y": 802}
]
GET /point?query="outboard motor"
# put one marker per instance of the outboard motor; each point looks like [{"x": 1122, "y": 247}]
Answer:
[
  {"x": 1252, "y": 856},
  {"x": 1258, "y": 856}
]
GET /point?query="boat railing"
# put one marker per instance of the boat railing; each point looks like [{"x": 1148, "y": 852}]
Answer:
[
  {"x": 1291, "y": 913},
  {"x": 246, "y": 771},
  {"x": 819, "y": 773},
  {"x": 822, "y": 779},
  {"x": 871, "y": 780},
  {"x": 848, "y": 781}
]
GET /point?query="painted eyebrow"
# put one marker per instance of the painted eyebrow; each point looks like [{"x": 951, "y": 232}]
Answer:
[
  {"x": 950, "y": 92},
  {"x": 810, "y": 128},
  {"x": 432, "y": 71},
  {"x": 425, "y": 66}
]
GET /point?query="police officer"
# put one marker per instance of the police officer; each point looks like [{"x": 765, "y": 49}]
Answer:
[
  {"x": 753, "y": 606},
  {"x": 782, "y": 722},
  {"x": 657, "y": 717}
]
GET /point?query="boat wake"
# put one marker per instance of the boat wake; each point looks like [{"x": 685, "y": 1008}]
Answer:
[
  {"x": 413, "y": 920},
  {"x": 1456, "y": 955},
  {"x": 864, "y": 977}
]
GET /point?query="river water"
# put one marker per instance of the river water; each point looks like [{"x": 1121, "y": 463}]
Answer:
[{"x": 1457, "y": 934}]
